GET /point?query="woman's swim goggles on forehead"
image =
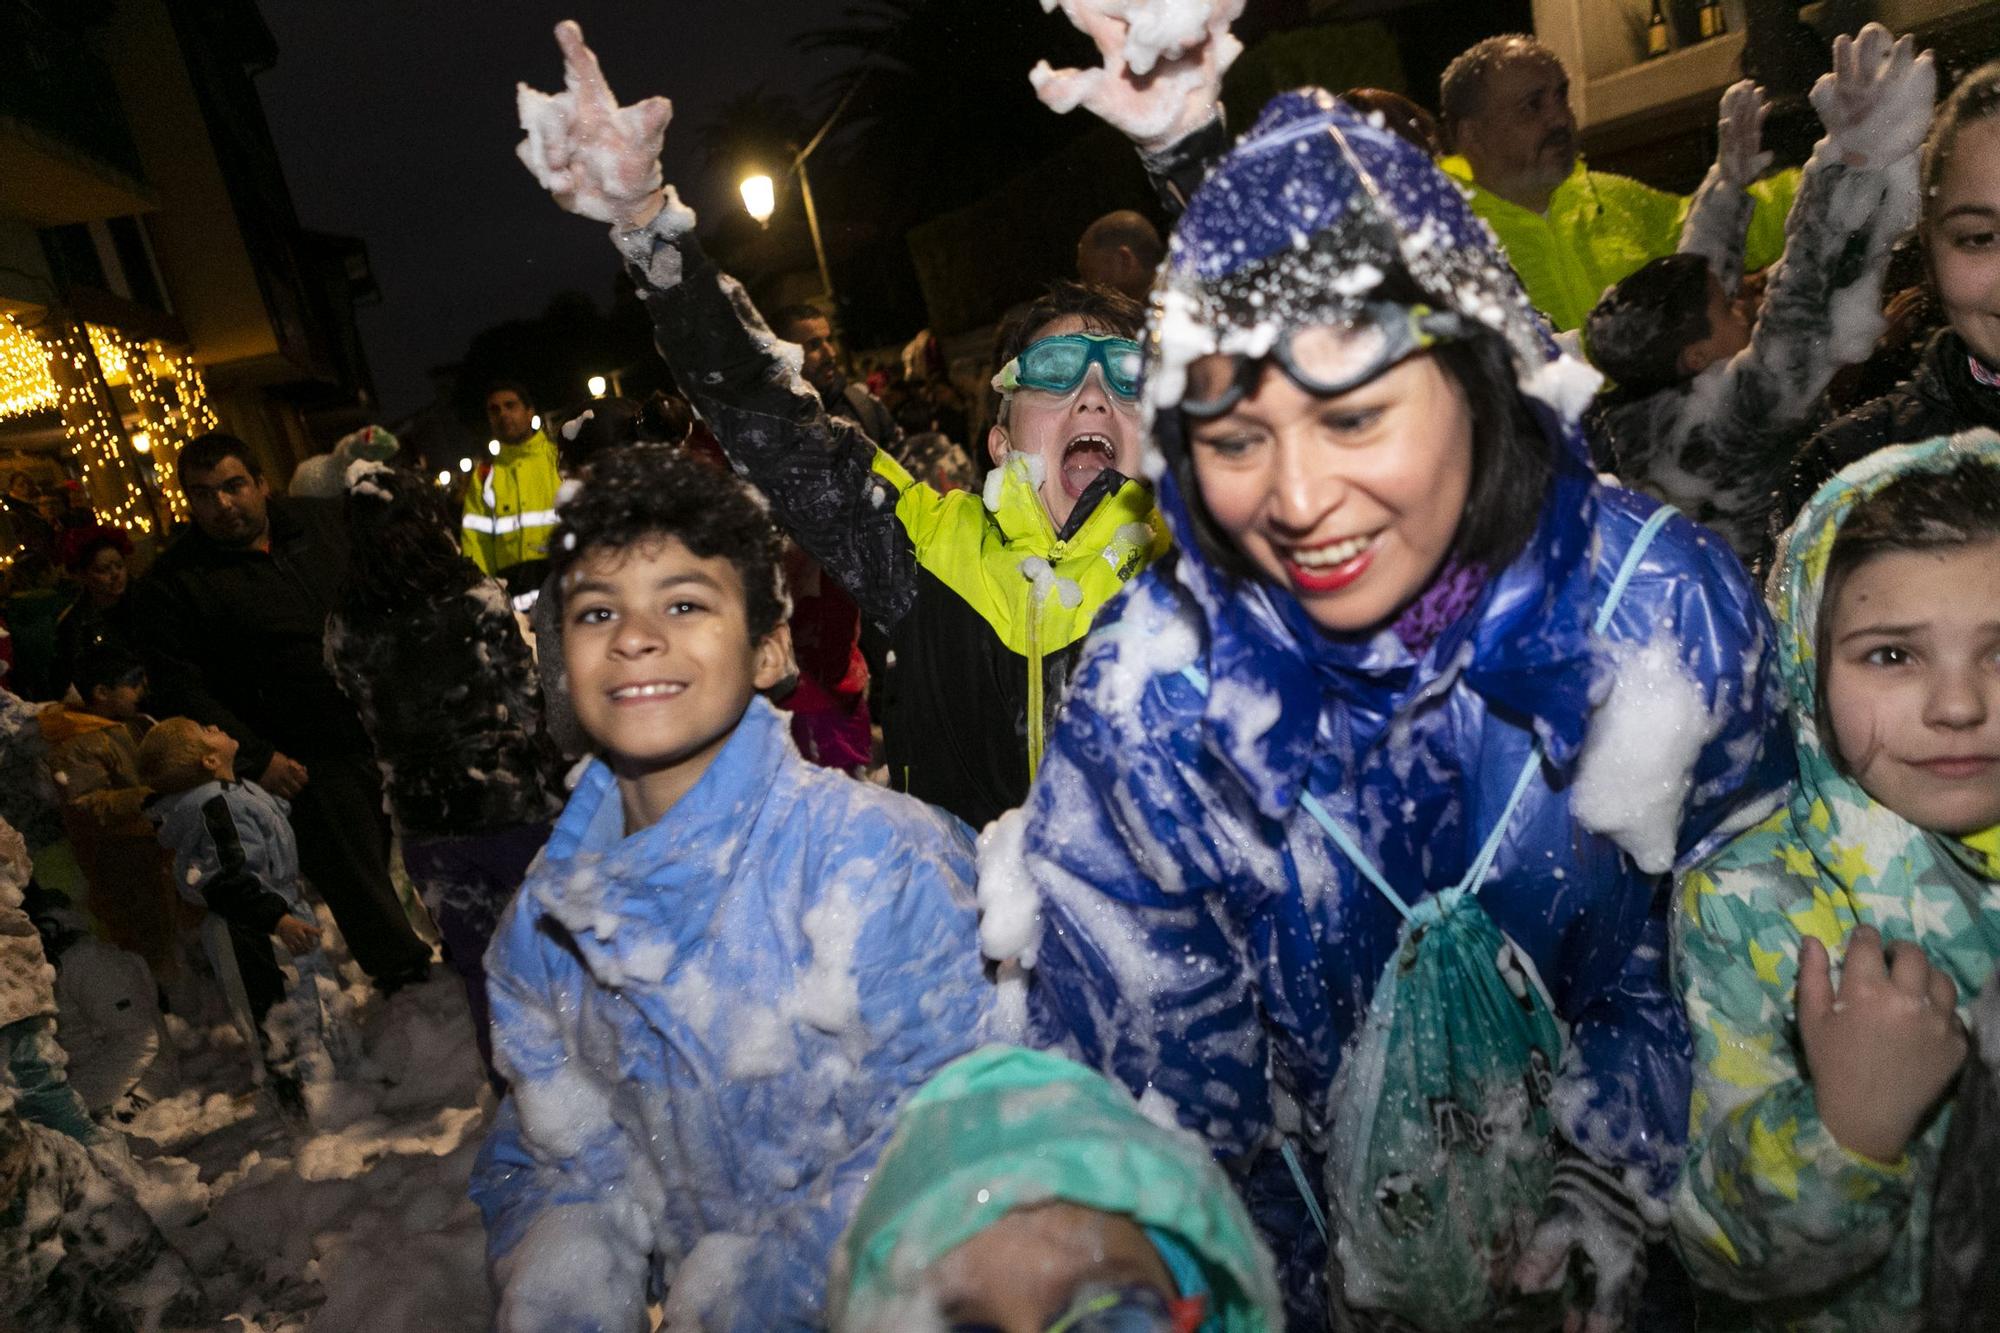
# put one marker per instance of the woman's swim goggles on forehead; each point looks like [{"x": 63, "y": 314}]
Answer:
[
  {"x": 1326, "y": 359},
  {"x": 1134, "y": 1309},
  {"x": 1058, "y": 364}
]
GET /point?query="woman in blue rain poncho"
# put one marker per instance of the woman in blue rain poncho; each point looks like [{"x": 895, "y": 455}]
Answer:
[{"x": 1352, "y": 842}]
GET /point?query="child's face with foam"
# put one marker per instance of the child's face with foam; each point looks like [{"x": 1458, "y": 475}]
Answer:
[
  {"x": 1913, "y": 683},
  {"x": 1024, "y": 1272},
  {"x": 661, "y": 662}
]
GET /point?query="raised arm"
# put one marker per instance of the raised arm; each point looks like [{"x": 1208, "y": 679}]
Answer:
[
  {"x": 601, "y": 161},
  {"x": 1159, "y": 85},
  {"x": 1718, "y": 220},
  {"x": 1857, "y": 195}
]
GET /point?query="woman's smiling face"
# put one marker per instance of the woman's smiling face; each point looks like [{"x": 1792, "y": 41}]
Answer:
[{"x": 1349, "y": 502}]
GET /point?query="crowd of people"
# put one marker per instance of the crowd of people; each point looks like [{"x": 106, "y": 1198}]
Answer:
[{"x": 1314, "y": 825}]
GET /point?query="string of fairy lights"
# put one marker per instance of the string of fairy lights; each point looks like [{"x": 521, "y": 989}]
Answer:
[{"x": 72, "y": 367}]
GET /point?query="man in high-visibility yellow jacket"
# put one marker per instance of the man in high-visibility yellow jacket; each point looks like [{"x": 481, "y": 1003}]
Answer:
[
  {"x": 510, "y": 505},
  {"x": 1568, "y": 231}
]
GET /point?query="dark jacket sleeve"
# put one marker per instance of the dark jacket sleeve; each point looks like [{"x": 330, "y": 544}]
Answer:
[
  {"x": 1178, "y": 169},
  {"x": 167, "y": 630},
  {"x": 817, "y": 470},
  {"x": 234, "y": 892}
]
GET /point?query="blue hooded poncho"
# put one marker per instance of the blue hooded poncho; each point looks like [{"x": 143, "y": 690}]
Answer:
[{"x": 1200, "y": 937}]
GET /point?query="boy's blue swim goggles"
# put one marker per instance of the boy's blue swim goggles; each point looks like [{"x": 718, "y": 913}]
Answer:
[{"x": 1058, "y": 364}]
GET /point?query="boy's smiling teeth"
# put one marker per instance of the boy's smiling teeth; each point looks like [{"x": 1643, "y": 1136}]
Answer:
[
  {"x": 1336, "y": 553},
  {"x": 652, "y": 689}
]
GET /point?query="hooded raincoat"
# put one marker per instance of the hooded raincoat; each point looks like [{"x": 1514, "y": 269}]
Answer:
[
  {"x": 1010, "y": 1128},
  {"x": 1772, "y": 1209},
  {"x": 707, "y": 1026},
  {"x": 1200, "y": 935}
]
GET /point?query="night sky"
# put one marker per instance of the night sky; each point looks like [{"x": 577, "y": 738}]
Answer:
[{"x": 395, "y": 120}]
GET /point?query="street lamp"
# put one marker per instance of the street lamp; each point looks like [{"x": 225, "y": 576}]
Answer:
[
  {"x": 760, "y": 199},
  {"x": 465, "y": 465},
  {"x": 444, "y": 476},
  {"x": 597, "y": 386}
]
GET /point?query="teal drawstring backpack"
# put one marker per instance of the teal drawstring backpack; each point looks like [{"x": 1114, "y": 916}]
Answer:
[{"x": 1443, "y": 1147}]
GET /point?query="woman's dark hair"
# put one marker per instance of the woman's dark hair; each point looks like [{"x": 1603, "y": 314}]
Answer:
[
  {"x": 1637, "y": 333},
  {"x": 1976, "y": 98},
  {"x": 1513, "y": 459},
  {"x": 82, "y": 545},
  {"x": 631, "y": 496},
  {"x": 1919, "y": 511},
  {"x": 402, "y": 547},
  {"x": 108, "y": 665}
]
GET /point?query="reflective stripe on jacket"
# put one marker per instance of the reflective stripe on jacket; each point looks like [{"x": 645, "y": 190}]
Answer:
[{"x": 510, "y": 508}]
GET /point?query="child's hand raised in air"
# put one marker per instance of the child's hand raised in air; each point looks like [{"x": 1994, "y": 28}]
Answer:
[
  {"x": 1883, "y": 1050},
  {"x": 1172, "y": 91},
  {"x": 1876, "y": 101},
  {"x": 1740, "y": 154},
  {"x": 598, "y": 159},
  {"x": 297, "y": 936}
]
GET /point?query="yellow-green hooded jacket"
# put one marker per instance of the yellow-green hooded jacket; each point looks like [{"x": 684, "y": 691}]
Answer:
[
  {"x": 510, "y": 509},
  {"x": 1771, "y": 1210},
  {"x": 1600, "y": 228}
]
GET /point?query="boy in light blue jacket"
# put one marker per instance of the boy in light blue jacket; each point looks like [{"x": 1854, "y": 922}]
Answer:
[{"x": 729, "y": 967}]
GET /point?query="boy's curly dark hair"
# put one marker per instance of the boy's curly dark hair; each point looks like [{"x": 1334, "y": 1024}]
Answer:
[{"x": 627, "y": 496}]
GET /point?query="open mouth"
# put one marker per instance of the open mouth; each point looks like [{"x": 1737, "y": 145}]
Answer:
[
  {"x": 652, "y": 689},
  {"x": 1083, "y": 458}
]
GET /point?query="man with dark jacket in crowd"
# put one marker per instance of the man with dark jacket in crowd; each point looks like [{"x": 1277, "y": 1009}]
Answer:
[
  {"x": 813, "y": 332},
  {"x": 231, "y": 620}
]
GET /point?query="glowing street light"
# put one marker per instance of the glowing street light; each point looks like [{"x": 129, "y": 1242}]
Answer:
[
  {"x": 444, "y": 475},
  {"x": 465, "y": 465},
  {"x": 597, "y": 385},
  {"x": 760, "y": 198}
]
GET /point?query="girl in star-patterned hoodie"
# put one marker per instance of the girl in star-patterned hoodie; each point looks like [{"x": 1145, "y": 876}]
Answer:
[{"x": 1828, "y": 954}]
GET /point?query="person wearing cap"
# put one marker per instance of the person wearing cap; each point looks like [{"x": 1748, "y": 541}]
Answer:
[
  {"x": 1024, "y": 1193},
  {"x": 1335, "y": 850},
  {"x": 1569, "y": 232},
  {"x": 984, "y": 598}
]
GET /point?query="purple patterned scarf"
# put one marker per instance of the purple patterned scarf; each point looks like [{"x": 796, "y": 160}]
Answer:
[{"x": 1451, "y": 594}]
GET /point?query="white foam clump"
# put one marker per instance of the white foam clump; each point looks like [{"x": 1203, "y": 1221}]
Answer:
[
  {"x": 1047, "y": 583},
  {"x": 1638, "y": 759},
  {"x": 1010, "y": 907},
  {"x": 1156, "y": 29},
  {"x": 1566, "y": 384},
  {"x": 1032, "y": 468},
  {"x": 360, "y": 478},
  {"x": 572, "y": 427},
  {"x": 707, "y": 1282}
]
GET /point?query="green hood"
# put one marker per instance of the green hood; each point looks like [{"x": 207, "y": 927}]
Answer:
[
  {"x": 1004, "y": 1128},
  {"x": 1855, "y": 840}
]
